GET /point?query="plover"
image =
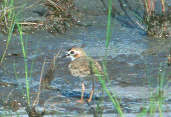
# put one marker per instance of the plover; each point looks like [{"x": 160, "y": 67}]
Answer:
[{"x": 82, "y": 66}]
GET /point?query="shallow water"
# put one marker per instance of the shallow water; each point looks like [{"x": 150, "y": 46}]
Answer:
[{"x": 133, "y": 62}]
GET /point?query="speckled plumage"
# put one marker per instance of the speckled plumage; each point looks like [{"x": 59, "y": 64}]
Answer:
[{"x": 83, "y": 66}]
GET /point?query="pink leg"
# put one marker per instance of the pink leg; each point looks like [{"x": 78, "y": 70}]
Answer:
[
  {"x": 92, "y": 91},
  {"x": 91, "y": 95},
  {"x": 82, "y": 94}
]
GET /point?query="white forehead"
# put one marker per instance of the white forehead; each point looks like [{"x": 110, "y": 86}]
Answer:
[{"x": 71, "y": 56}]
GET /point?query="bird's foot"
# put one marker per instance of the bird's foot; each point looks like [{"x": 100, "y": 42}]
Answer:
[
  {"x": 80, "y": 101},
  {"x": 89, "y": 100}
]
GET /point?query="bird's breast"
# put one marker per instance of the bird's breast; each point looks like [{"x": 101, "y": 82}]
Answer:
[{"x": 82, "y": 67}]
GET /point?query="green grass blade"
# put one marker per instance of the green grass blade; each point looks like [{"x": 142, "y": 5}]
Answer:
[
  {"x": 25, "y": 63},
  {"x": 108, "y": 33}
]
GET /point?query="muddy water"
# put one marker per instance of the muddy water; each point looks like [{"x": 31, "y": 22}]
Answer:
[{"x": 134, "y": 63}]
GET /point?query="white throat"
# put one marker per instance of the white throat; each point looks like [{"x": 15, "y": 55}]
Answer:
[{"x": 72, "y": 58}]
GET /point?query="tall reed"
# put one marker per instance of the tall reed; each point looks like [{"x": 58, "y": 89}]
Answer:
[
  {"x": 102, "y": 79},
  {"x": 108, "y": 33},
  {"x": 19, "y": 27}
]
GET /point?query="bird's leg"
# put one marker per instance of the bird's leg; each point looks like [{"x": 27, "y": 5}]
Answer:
[
  {"x": 92, "y": 91},
  {"x": 82, "y": 93}
]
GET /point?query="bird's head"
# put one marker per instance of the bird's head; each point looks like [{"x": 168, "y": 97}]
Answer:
[{"x": 74, "y": 53}]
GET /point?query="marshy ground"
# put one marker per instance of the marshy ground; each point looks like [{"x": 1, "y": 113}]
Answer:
[{"x": 138, "y": 72}]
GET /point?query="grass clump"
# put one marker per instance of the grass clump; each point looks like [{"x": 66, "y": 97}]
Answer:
[
  {"x": 157, "y": 99},
  {"x": 148, "y": 17},
  {"x": 157, "y": 24},
  {"x": 7, "y": 22},
  {"x": 7, "y": 16},
  {"x": 59, "y": 16}
]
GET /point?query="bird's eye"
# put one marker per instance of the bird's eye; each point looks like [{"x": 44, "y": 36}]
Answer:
[{"x": 72, "y": 52}]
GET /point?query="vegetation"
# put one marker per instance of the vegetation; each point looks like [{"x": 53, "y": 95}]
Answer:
[{"x": 157, "y": 24}]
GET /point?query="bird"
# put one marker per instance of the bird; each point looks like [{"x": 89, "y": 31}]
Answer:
[{"x": 83, "y": 66}]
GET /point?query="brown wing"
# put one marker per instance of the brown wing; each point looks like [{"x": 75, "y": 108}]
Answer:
[
  {"x": 96, "y": 67},
  {"x": 84, "y": 66}
]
